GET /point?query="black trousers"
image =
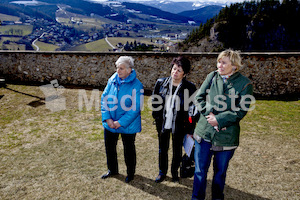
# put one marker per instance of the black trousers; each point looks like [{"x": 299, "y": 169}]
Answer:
[
  {"x": 111, "y": 140},
  {"x": 164, "y": 143}
]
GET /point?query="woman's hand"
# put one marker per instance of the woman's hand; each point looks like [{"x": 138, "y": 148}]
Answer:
[
  {"x": 110, "y": 123},
  {"x": 211, "y": 119},
  {"x": 117, "y": 124}
]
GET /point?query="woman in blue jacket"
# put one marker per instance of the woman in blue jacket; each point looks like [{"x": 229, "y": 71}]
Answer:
[{"x": 121, "y": 104}]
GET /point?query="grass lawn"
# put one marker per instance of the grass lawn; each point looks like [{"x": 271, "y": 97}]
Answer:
[{"x": 61, "y": 155}]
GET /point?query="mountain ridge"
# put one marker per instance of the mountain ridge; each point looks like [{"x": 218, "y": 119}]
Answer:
[
  {"x": 109, "y": 8},
  {"x": 180, "y": 6}
]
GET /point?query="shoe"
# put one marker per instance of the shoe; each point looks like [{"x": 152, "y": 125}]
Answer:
[
  {"x": 175, "y": 179},
  {"x": 160, "y": 178},
  {"x": 128, "y": 178},
  {"x": 108, "y": 174}
]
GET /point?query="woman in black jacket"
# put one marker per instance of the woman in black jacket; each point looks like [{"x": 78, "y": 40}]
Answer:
[{"x": 171, "y": 102}]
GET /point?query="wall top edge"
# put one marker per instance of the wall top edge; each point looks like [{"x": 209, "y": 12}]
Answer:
[{"x": 149, "y": 53}]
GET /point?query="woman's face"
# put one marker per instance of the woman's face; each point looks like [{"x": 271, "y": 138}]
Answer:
[
  {"x": 177, "y": 73},
  {"x": 123, "y": 71},
  {"x": 224, "y": 66}
]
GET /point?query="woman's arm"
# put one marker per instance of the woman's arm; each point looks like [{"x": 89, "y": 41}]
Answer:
[
  {"x": 231, "y": 116},
  {"x": 157, "y": 101},
  {"x": 135, "y": 110},
  {"x": 200, "y": 98},
  {"x": 104, "y": 107}
]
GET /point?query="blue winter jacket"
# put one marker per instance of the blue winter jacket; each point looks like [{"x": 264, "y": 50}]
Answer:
[{"x": 122, "y": 101}]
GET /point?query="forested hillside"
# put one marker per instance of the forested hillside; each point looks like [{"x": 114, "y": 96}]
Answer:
[
  {"x": 42, "y": 11},
  {"x": 267, "y": 25},
  {"x": 157, "y": 12},
  {"x": 47, "y": 8}
]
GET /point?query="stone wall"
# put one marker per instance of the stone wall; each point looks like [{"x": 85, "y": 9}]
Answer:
[{"x": 273, "y": 74}]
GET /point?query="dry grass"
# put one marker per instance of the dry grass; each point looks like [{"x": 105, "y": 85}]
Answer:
[{"x": 61, "y": 155}]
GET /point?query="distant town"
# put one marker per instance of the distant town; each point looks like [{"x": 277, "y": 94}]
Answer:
[{"x": 66, "y": 37}]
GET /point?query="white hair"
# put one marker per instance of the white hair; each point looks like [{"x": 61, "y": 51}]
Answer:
[{"x": 127, "y": 60}]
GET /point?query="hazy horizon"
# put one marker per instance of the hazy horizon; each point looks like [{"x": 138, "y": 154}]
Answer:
[{"x": 195, "y": 1}]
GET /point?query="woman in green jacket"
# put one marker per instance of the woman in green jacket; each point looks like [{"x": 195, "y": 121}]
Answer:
[{"x": 222, "y": 100}]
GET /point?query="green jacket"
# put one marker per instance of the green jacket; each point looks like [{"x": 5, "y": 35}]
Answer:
[{"x": 229, "y": 102}]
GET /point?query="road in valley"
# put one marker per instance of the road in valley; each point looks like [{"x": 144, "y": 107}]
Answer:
[
  {"x": 36, "y": 46},
  {"x": 112, "y": 46}
]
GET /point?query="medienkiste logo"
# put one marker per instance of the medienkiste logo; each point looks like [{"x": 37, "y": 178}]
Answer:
[{"x": 54, "y": 99}]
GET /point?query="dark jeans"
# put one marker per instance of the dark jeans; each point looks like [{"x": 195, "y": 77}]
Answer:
[
  {"x": 164, "y": 142},
  {"x": 111, "y": 140},
  {"x": 203, "y": 156}
]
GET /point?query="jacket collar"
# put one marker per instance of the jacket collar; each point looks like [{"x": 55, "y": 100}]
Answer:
[
  {"x": 130, "y": 78},
  {"x": 168, "y": 79},
  {"x": 233, "y": 76}
]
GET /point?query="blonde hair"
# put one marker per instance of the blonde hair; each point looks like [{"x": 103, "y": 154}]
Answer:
[
  {"x": 234, "y": 57},
  {"x": 127, "y": 60}
]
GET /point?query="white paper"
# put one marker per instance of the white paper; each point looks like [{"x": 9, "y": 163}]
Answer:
[{"x": 188, "y": 145}]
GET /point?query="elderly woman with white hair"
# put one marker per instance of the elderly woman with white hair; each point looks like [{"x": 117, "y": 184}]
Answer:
[{"x": 121, "y": 104}]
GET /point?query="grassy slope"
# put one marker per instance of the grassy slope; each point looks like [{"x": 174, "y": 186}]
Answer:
[
  {"x": 61, "y": 154},
  {"x": 11, "y": 46},
  {"x": 87, "y": 23},
  {"x": 123, "y": 40},
  {"x": 45, "y": 46},
  {"x": 4, "y": 29},
  {"x": 64, "y": 17},
  {"x": 4, "y": 17},
  {"x": 27, "y": 29},
  {"x": 101, "y": 45}
]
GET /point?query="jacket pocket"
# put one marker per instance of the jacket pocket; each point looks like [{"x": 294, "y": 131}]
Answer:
[
  {"x": 227, "y": 136},
  {"x": 204, "y": 129}
]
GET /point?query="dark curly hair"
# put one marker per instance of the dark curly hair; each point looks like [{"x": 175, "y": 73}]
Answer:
[{"x": 183, "y": 62}]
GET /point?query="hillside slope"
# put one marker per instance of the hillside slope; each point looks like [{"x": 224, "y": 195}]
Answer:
[
  {"x": 202, "y": 14},
  {"x": 249, "y": 26}
]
